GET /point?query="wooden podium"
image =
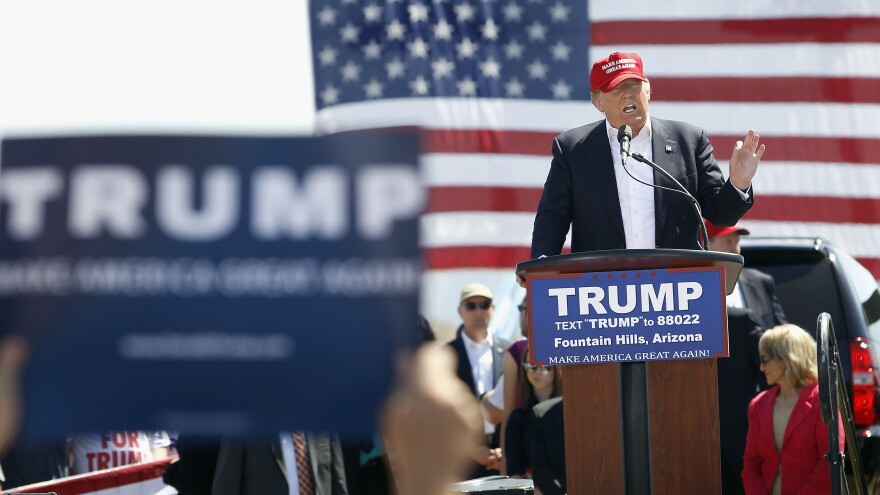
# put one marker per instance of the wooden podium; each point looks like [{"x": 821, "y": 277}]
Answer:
[{"x": 640, "y": 428}]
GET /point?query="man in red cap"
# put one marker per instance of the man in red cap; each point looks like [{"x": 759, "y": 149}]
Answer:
[
  {"x": 754, "y": 289},
  {"x": 589, "y": 191},
  {"x": 752, "y": 307}
]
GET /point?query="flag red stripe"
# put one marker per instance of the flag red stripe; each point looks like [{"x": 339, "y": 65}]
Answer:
[
  {"x": 767, "y": 89},
  {"x": 737, "y": 31},
  {"x": 475, "y": 257},
  {"x": 872, "y": 264},
  {"x": 767, "y": 207},
  {"x": 815, "y": 209},
  {"x": 780, "y": 148},
  {"x": 467, "y": 198},
  {"x": 493, "y": 257}
]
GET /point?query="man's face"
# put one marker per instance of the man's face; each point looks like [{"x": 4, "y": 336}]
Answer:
[
  {"x": 524, "y": 319},
  {"x": 476, "y": 312},
  {"x": 725, "y": 244},
  {"x": 626, "y": 104}
]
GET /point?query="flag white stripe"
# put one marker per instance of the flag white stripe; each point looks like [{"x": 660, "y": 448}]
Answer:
[
  {"x": 770, "y": 119},
  {"x": 776, "y": 119},
  {"x": 457, "y": 113},
  {"x": 514, "y": 229},
  {"x": 476, "y": 229},
  {"x": 743, "y": 9},
  {"x": 774, "y": 178},
  {"x": 755, "y": 60}
]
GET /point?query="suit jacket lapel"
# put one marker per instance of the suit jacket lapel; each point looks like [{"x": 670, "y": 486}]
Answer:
[
  {"x": 313, "y": 447},
  {"x": 464, "y": 364},
  {"x": 767, "y": 415},
  {"x": 601, "y": 165},
  {"x": 750, "y": 292},
  {"x": 278, "y": 452},
  {"x": 664, "y": 150},
  {"x": 806, "y": 402},
  {"x": 498, "y": 349}
]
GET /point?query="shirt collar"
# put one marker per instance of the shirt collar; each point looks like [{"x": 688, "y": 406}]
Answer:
[
  {"x": 646, "y": 131},
  {"x": 469, "y": 342}
]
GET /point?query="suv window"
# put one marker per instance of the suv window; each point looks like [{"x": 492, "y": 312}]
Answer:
[
  {"x": 803, "y": 289},
  {"x": 865, "y": 287}
]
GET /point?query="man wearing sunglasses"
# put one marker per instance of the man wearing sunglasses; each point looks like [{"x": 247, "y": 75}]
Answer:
[{"x": 480, "y": 364}]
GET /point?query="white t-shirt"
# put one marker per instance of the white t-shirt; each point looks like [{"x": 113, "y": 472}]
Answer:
[{"x": 97, "y": 451}]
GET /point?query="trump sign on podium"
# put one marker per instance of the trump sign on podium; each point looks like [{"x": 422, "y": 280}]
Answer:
[
  {"x": 620, "y": 316},
  {"x": 226, "y": 285}
]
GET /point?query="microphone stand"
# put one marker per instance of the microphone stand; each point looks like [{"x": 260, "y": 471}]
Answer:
[{"x": 703, "y": 240}]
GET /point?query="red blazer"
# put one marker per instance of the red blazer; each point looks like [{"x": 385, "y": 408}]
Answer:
[{"x": 804, "y": 468}]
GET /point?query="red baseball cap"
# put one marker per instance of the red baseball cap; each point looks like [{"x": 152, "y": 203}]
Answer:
[
  {"x": 716, "y": 231},
  {"x": 610, "y": 71}
]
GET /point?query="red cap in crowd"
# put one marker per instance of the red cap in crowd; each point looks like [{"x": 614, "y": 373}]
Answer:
[
  {"x": 716, "y": 231},
  {"x": 610, "y": 71}
]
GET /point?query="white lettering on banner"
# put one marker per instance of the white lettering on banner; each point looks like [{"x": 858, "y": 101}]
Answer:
[
  {"x": 592, "y": 299},
  {"x": 386, "y": 194},
  {"x": 176, "y": 215},
  {"x": 27, "y": 191},
  {"x": 281, "y": 208},
  {"x": 110, "y": 199},
  {"x": 107, "y": 199},
  {"x": 193, "y": 277}
]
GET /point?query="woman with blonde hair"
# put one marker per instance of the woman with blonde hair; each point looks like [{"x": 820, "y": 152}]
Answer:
[{"x": 787, "y": 441}]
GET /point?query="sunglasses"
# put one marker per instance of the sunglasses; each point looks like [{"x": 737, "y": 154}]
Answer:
[
  {"x": 531, "y": 369},
  {"x": 523, "y": 309},
  {"x": 470, "y": 306},
  {"x": 765, "y": 358}
]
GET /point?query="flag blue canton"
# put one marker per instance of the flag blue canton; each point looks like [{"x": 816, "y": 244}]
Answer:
[{"x": 371, "y": 49}]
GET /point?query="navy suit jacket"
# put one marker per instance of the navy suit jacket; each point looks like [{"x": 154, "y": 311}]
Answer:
[
  {"x": 739, "y": 378},
  {"x": 257, "y": 467},
  {"x": 581, "y": 191},
  {"x": 547, "y": 447},
  {"x": 759, "y": 291}
]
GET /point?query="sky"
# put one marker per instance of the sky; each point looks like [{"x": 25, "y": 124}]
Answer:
[{"x": 218, "y": 66}]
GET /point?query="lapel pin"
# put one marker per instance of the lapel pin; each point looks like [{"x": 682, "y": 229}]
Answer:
[{"x": 668, "y": 149}]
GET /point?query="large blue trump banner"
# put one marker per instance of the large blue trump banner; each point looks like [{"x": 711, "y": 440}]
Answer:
[
  {"x": 620, "y": 316},
  {"x": 233, "y": 285}
]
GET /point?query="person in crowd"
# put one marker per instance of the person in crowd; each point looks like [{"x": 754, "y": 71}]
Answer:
[
  {"x": 28, "y": 462},
  {"x": 480, "y": 364},
  {"x": 537, "y": 384},
  {"x": 13, "y": 355},
  {"x": 90, "y": 452},
  {"x": 739, "y": 379},
  {"x": 193, "y": 472},
  {"x": 431, "y": 424},
  {"x": 366, "y": 462},
  {"x": 511, "y": 397},
  {"x": 588, "y": 190},
  {"x": 787, "y": 441},
  {"x": 754, "y": 289},
  {"x": 492, "y": 406},
  {"x": 310, "y": 461},
  {"x": 547, "y": 447}
]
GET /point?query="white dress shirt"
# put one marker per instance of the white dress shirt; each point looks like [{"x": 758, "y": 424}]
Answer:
[
  {"x": 480, "y": 358},
  {"x": 289, "y": 454},
  {"x": 636, "y": 199},
  {"x": 736, "y": 299}
]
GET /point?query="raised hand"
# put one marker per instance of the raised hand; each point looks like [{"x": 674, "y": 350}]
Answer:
[{"x": 744, "y": 160}]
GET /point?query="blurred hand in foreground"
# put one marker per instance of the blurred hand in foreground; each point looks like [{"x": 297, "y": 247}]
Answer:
[{"x": 431, "y": 423}]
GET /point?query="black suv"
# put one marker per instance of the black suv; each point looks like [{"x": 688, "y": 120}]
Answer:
[{"x": 814, "y": 276}]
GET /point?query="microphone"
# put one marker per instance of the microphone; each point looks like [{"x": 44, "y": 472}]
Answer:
[{"x": 624, "y": 136}]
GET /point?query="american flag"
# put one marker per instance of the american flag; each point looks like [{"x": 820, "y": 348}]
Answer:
[{"x": 491, "y": 82}]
